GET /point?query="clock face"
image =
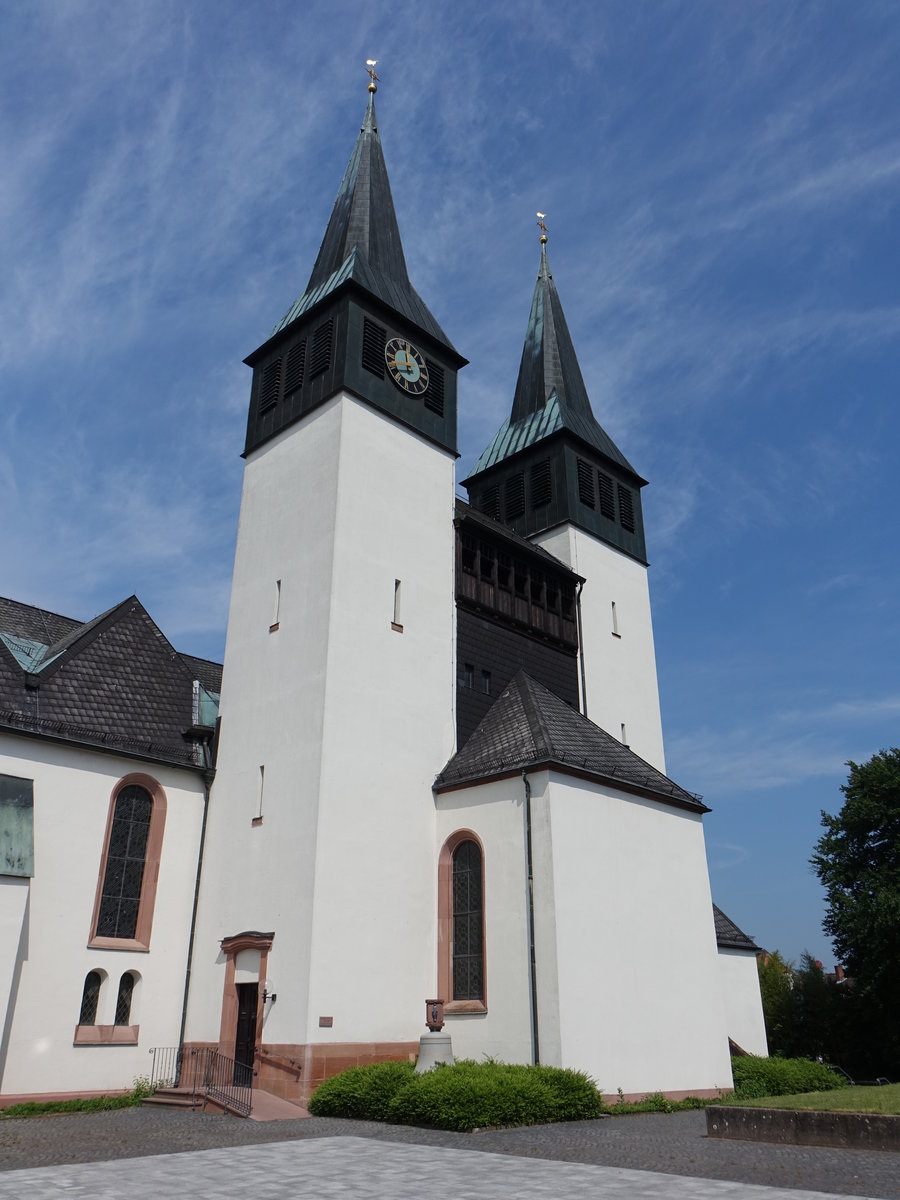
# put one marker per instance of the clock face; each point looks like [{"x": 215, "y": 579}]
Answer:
[{"x": 406, "y": 365}]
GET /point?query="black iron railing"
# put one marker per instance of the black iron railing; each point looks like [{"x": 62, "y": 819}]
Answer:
[{"x": 205, "y": 1073}]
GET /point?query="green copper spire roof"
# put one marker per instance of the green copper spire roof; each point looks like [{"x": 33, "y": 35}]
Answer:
[
  {"x": 362, "y": 241},
  {"x": 550, "y": 393}
]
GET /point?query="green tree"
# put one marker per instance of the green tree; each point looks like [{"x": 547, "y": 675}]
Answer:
[
  {"x": 776, "y": 984},
  {"x": 857, "y": 859}
]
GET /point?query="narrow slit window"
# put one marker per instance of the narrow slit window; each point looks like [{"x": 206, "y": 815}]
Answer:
[
  {"x": 624, "y": 735},
  {"x": 486, "y": 682},
  {"x": 396, "y": 622},
  {"x": 276, "y": 611},
  {"x": 260, "y": 791},
  {"x": 615, "y": 620},
  {"x": 468, "y": 675}
]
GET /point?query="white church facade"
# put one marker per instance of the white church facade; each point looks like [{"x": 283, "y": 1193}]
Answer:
[{"x": 432, "y": 765}]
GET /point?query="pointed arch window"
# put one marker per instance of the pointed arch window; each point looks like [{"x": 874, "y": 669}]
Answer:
[
  {"x": 462, "y": 980},
  {"x": 126, "y": 887}
]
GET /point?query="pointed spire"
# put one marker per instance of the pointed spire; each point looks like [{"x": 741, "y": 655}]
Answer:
[
  {"x": 362, "y": 241},
  {"x": 550, "y": 394},
  {"x": 363, "y": 215}
]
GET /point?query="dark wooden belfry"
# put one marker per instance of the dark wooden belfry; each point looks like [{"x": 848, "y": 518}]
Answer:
[
  {"x": 551, "y": 462},
  {"x": 358, "y": 298}
]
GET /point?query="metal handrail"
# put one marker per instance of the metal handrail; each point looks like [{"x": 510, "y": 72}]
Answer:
[{"x": 204, "y": 1072}]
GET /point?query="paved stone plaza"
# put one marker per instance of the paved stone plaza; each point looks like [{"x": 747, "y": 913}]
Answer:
[{"x": 210, "y": 1156}]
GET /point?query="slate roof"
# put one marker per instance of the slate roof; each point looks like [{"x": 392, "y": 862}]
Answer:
[
  {"x": 550, "y": 394},
  {"x": 530, "y": 727},
  {"x": 114, "y": 682},
  {"x": 728, "y": 936},
  {"x": 362, "y": 242}
]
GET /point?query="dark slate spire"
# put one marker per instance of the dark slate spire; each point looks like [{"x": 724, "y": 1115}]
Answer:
[
  {"x": 551, "y": 462},
  {"x": 363, "y": 214},
  {"x": 362, "y": 241},
  {"x": 550, "y": 393}
]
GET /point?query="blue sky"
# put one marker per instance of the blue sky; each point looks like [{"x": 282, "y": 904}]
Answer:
[{"x": 721, "y": 183}]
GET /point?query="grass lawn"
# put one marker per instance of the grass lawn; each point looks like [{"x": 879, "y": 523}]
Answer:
[{"x": 884, "y": 1099}]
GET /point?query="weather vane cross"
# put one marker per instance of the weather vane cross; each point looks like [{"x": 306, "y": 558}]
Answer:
[
  {"x": 373, "y": 78},
  {"x": 543, "y": 228}
]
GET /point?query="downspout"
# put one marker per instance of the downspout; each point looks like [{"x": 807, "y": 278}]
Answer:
[
  {"x": 208, "y": 774},
  {"x": 529, "y": 868},
  {"x": 584, "y": 711}
]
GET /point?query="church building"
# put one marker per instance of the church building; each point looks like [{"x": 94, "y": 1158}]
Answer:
[{"x": 432, "y": 765}]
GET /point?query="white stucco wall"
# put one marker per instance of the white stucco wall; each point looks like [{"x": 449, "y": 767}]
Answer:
[
  {"x": 351, "y": 720},
  {"x": 619, "y": 671},
  {"x": 495, "y": 812},
  {"x": 742, "y": 999},
  {"x": 72, "y": 790},
  {"x": 638, "y": 974}
]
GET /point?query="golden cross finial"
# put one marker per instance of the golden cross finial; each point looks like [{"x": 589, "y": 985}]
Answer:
[
  {"x": 373, "y": 78},
  {"x": 542, "y": 227}
]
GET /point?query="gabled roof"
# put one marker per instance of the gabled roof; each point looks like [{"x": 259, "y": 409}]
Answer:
[
  {"x": 528, "y": 727},
  {"x": 550, "y": 394},
  {"x": 362, "y": 242},
  {"x": 114, "y": 682},
  {"x": 728, "y": 936}
]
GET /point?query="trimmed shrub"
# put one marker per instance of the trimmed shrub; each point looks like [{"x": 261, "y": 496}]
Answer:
[
  {"x": 466, "y": 1096},
  {"x": 362, "y": 1093},
  {"x": 755, "y": 1077},
  {"x": 472, "y": 1095}
]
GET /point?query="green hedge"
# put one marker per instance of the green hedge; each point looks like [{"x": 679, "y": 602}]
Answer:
[
  {"x": 466, "y": 1096},
  {"x": 363, "y": 1093},
  {"x": 755, "y": 1077}
]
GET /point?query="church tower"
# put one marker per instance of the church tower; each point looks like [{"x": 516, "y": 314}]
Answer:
[
  {"x": 316, "y": 911},
  {"x": 555, "y": 476}
]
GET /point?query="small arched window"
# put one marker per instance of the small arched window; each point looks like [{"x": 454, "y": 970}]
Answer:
[
  {"x": 126, "y": 889},
  {"x": 461, "y": 923},
  {"x": 123, "y": 1000},
  {"x": 90, "y": 998}
]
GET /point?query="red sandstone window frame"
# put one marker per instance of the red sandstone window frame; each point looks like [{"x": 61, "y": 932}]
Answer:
[
  {"x": 141, "y": 940},
  {"x": 445, "y": 926}
]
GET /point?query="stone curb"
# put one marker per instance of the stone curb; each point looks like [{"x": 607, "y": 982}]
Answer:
[{"x": 844, "y": 1131}]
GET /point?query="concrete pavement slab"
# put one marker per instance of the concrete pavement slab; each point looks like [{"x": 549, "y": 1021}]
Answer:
[{"x": 367, "y": 1170}]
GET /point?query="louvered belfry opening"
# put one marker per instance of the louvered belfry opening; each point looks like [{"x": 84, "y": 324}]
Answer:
[
  {"x": 293, "y": 373},
  {"x": 320, "y": 356},
  {"x": 373, "y": 343}
]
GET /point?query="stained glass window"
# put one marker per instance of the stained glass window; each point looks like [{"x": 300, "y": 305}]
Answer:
[
  {"x": 121, "y": 895},
  {"x": 468, "y": 908}
]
